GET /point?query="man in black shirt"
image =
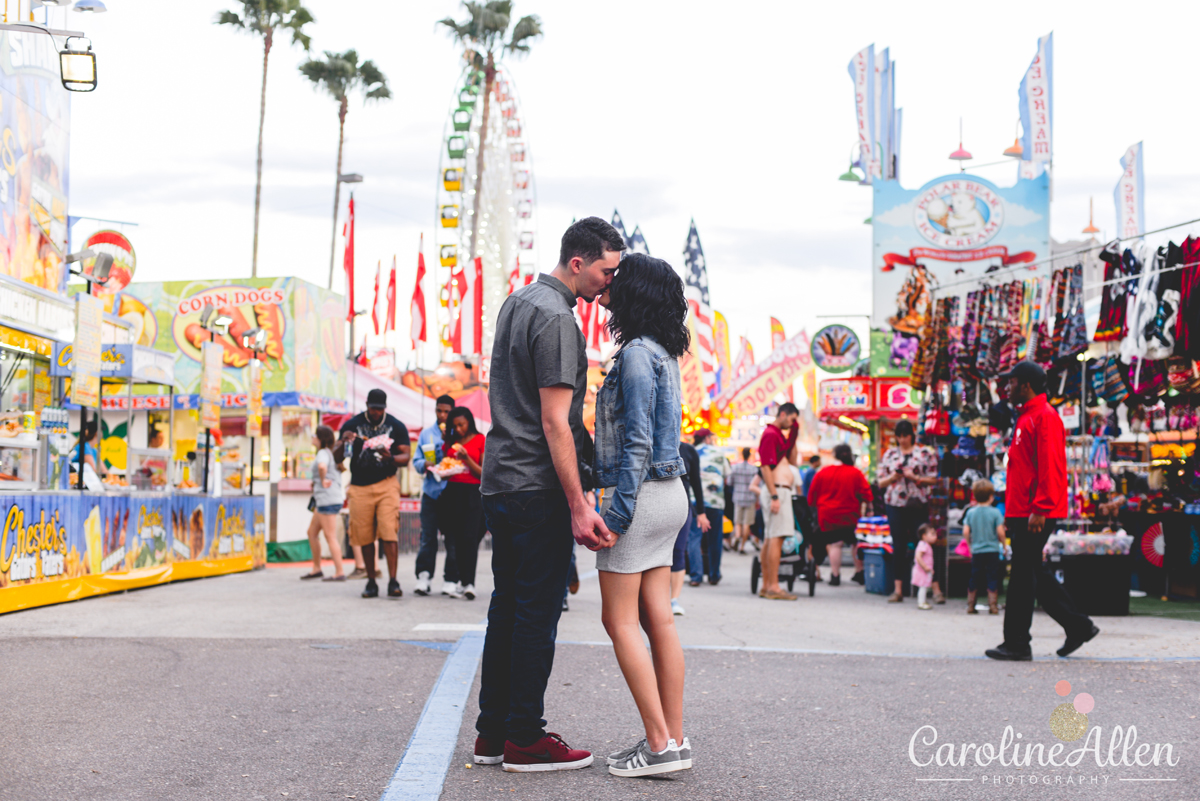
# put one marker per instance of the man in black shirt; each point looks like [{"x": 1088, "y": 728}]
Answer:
[{"x": 378, "y": 445}]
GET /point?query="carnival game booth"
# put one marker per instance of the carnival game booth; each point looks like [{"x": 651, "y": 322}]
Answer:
[{"x": 276, "y": 367}]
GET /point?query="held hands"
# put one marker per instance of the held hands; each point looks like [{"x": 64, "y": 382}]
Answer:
[{"x": 587, "y": 526}]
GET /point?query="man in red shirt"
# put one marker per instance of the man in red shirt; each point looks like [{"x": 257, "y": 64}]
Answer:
[
  {"x": 1036, "y": 497},
  {"x": 777, "y": 445}
]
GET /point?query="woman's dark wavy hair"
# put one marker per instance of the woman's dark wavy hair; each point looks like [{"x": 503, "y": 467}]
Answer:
[{"x": 646, "y": 300}]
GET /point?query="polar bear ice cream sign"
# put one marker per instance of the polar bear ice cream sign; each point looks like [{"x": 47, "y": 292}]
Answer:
[{"x": 958, "y": 215}]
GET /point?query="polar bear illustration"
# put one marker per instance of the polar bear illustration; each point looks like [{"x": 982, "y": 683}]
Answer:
[{"x": 964, "y": 218}]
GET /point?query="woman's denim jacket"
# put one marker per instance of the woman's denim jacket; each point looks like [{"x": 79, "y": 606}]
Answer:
[{"x": 637, "y": 426}]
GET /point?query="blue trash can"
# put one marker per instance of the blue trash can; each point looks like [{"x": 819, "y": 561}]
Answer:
[{"x": 877, "y": 567}]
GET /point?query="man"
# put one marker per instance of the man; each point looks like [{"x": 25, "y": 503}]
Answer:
[
  {"x": 744, "y": 501},
  {"x": 1035, "y": 499},
  {"x": 714, "y": 475},
  {"x": 695, "y": 526},
  {"x": 777, "y": 444},
  {"x": 539, "y": 466},
  {"x": 429, "y": 452},
  {"x": 808, "y": 472},
  {"x": 378, "y": 445}
]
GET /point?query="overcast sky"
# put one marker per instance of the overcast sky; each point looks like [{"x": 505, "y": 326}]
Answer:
[{"x": 737, "y": 115}]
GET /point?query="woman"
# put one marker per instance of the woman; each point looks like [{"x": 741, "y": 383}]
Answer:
[
  {"x": 328, "y": 497},
  {"x": 460, "y": 506},
  {"x": 90, "y": 438},
  {"x": 837, "y": 493},
  {"x": 905, "y": 474},
  {"x": 777, "y": 525},
  {"x": 637, "y": 461}
]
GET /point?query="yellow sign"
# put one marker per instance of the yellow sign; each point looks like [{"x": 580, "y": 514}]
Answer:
[
  {"x": 85, "y": 383},
  {"x": 254, "y": 399}
]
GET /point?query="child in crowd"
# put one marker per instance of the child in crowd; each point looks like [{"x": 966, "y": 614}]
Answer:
[
  {"x": 983, "y": 530},
  {"x": 922, "y": 569}
]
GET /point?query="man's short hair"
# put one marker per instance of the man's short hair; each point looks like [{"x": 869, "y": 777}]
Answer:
[
  {"x": 815, "y": 460},
  {"x": 588, "y": 239},
  {"x": 444, "y": 400},
  {"x": 788, "y": 408}
]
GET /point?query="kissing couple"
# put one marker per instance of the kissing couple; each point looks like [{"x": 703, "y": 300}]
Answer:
[{"x": 540, "y": 468}]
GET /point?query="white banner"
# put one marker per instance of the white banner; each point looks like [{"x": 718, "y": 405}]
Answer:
[
  {"x": 882, "y": 113},
  {"x": 1037, "y": 103},
  {"x": 862, "y": 72},
  {"x": 1127, "y": 197}
]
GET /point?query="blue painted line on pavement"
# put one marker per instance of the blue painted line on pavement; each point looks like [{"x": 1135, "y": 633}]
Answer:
[
  {"x": 823, "y": 652},
  {"x": 422, "y": 769},
  {"x": 431, "y": 644}
]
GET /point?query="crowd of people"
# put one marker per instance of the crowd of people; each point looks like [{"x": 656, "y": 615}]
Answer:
[{"x": 654, "y": 508}]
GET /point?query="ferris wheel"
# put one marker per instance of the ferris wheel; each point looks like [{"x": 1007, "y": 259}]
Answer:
[{"x": 491, "y": 213}]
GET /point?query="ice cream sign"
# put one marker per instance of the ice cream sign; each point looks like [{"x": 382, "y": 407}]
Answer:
[{"x": 958, "y": 215}]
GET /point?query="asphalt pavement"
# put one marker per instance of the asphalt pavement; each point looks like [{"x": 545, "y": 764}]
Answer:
[{"x": 259, "y": 685}]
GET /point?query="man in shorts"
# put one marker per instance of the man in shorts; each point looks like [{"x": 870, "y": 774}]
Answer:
[
  {"x": 377, "y": 445},
  {"x": 776, "y": 445},
  {"x": 745, "y": 500}
]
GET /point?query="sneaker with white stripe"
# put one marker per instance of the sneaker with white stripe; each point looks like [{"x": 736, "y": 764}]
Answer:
[
  {"x": 644, "y": 762},
  {"x": 685, "y": 753}
]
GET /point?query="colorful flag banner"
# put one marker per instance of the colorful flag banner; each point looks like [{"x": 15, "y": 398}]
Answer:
[
  {"x": 881, "y": 99},
  {"x": 862, "y": 72},
  {"x": 744, "y": 360},
  {"x": 637, "y": 242},
  {"x": 619, "y": 224},
  {"x": 695, "y": 289},
  {"x": 691, "y": 373},
  {"x": 756, "y": 388},
  {"x": 390, "y": 317},
  {"x": 721, "y": 341},
  {"x": 378, "y": 309},
  {"x": 1037, "y": 104},
  {"x": 777, "y": 338},
  {"x": 417, "y": 306},
  {"x": 348, "y": 261},
  {"x": 467, "y": 339},
  {"x": 1128, "y": 195}
]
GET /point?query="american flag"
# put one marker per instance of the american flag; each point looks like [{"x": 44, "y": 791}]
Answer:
[
  {"x": 637, "y": 242},
  {"x": 695, "y": 289},
  {"x": 619, "y": 224}
]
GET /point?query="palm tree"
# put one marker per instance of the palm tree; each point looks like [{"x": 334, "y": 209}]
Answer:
[
  {"x": 482, "y": 34},
  {"x": 262, "y": 17},
  {"x": 340, "y": 74}
]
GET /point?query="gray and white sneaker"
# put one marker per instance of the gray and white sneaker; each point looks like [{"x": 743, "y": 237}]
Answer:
[
  {"x": 685, "y": 753},
  {"x": 644, "y": 762},
  {"x": 625, "y": 753}
]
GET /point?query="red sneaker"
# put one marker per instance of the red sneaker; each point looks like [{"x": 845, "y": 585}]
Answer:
[
  {"x": 548, "y": 753},
  {"x": 488, "y": 752}
]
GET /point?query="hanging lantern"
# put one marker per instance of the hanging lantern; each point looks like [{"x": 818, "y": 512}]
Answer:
[
  {"x": 452, "y": 179},
  {"x": 450, "y": 216},
  {"x": 517, "y": 151},
  {"x": 456, "y": 146},
  {"x": 526, "y": 240},
  {"x": 462, "y": 120},
  {"x": 521, "y": 179},
  {"x": 449, "y": 255}
]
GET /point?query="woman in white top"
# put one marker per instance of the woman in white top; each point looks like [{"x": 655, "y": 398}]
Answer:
[{"x": 328, "y": 497}]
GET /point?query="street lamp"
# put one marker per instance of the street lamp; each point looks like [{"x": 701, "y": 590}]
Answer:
[
  {"x": 77, "y": 65},
  {"x": 84, "y": 6}
]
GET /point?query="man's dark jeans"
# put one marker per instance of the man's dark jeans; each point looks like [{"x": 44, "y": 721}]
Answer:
[
  {"x": 1030, "y": 578},
  {"x": 427, "y": 553},
  {"x": 531, "y": 556}
]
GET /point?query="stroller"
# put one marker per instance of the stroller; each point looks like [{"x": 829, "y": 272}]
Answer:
[{"x": 794, "y": 565}]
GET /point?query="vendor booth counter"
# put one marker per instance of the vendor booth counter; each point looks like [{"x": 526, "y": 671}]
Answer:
[{"x": 64, "y": 546}]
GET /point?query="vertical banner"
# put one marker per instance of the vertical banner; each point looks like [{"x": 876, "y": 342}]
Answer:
[
  {"x": 691, "y": 375},
  {"x": 862, "y": 72},
  {"x": 1127, "y": 197},
  {"x": 211, "y": 355},
  {"x": 1037, "y": 104},
  {"x": 721, "y": 341},
  {"x": 85, "y": 375},
  {"x": 777, "y": 339},
  {"x": 348, "y": 262},
  {"x": 254, "y": 398},
  {"x": 416, "y": 307},
  {"x": 744, "y": 360},
  {"x": 881, "y": 98}
]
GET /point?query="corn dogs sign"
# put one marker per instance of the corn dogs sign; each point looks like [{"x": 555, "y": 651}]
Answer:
[
  {"x": 759, "y": 385},
  {"x": 247, "y": 307}
]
